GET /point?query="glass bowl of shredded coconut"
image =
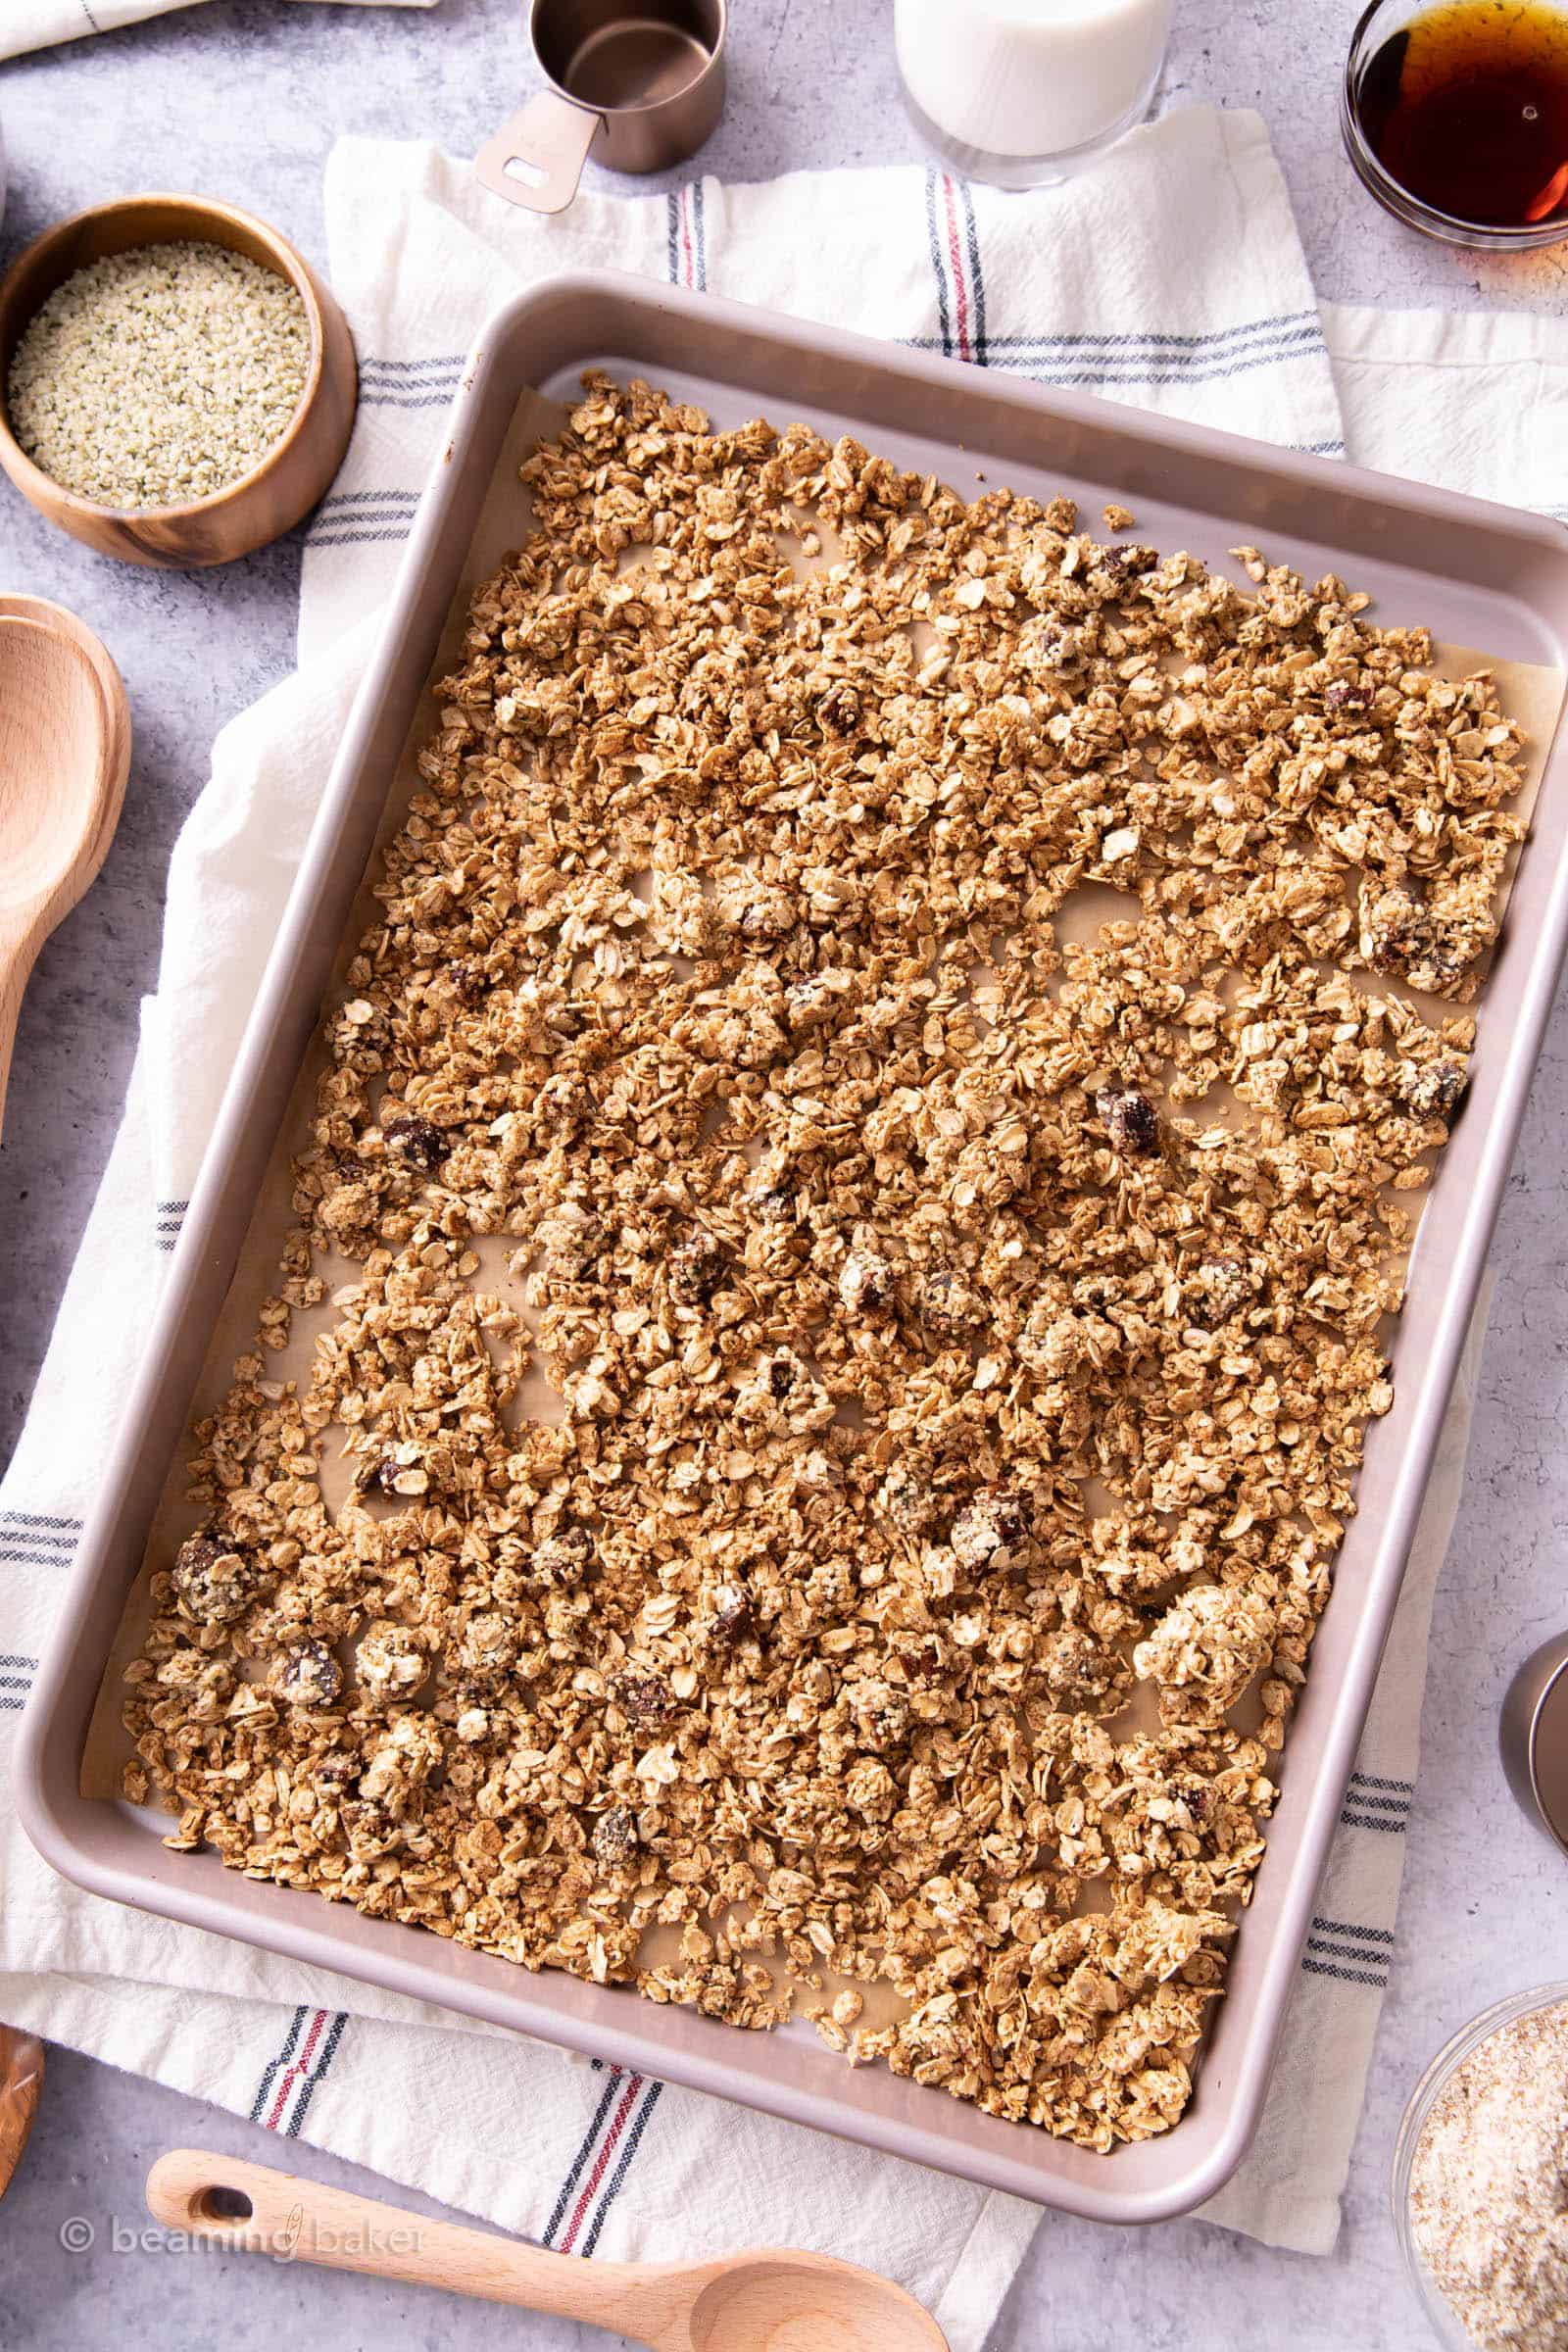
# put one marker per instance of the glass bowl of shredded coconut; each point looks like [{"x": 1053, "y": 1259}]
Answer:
[{"x": 1480, "y": 2180}]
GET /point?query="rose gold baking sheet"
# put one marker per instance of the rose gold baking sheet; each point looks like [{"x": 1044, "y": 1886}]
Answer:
[{"x": 1477, "y": 575}]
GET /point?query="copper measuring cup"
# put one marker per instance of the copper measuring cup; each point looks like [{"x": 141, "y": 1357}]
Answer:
[{"x": 641, "y": 82}]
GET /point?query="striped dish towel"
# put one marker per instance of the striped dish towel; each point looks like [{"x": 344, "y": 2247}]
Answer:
[
  {"x": 1171, "y": 277},
  {"x": 40, "y": 23}
]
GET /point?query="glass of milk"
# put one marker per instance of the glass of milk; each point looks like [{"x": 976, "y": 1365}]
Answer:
[{"x": 1020, "y": 92}]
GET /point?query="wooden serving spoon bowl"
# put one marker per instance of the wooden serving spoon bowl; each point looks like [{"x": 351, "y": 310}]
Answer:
[
  {"x": 65, "y": 753},
  {"x": 20, "y": 2081},
  {"x": 769, "y": 2301},
  {"x": 15, "y": 607}
]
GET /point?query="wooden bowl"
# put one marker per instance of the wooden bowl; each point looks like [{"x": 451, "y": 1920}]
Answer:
[{"x": 295, "y": 473}]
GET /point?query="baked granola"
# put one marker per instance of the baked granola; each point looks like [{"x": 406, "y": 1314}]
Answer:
[{"x": 956, "y": 1336}]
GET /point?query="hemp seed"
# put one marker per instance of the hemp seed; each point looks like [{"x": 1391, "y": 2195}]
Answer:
[{"x": 159, "y": 377}]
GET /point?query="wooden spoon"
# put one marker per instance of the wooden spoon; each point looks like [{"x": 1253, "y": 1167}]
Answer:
[
  {"x": 771, "y": 2301},
  {"x": 21, "y": 2054},
  {"x": 20, "y": 2081},
  {"x": 66, "y": 624},
  {"x": 64, "y": 753}
]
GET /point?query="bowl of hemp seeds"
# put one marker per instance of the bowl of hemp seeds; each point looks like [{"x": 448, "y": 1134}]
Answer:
[
  {"x": 176, "y": 384},
  {"x": 1480, "y": 2180}
]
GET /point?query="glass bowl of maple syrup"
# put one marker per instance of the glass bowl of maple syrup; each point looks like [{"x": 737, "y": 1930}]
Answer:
[{"x": 1456, "y": 115}]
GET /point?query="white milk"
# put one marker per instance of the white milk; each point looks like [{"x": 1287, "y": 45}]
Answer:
[{"x": 1029, "y": 77}]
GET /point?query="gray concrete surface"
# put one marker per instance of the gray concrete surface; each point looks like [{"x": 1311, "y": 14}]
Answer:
[{"x": 243, "y": 98}]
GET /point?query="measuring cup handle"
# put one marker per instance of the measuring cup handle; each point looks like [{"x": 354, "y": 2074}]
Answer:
[{"x": 537, "y": 158}]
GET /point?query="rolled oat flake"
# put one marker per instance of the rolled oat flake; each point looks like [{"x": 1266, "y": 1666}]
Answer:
[
  {"x": 160, "y": 376},
  {"x": 1489, "y": 2187}
]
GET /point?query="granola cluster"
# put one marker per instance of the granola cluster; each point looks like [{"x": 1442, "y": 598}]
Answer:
[{"x": 952, "y": 1341}]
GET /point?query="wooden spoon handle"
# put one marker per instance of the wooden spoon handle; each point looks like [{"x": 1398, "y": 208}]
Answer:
[
  {"x": 303, "y": 2221},
  {"x": 20, "y": 2081},
  {"x": 18, "y": 946}
]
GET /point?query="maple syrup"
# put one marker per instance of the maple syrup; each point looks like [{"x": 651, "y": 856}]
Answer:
[{"x": 1467, "y": 108}]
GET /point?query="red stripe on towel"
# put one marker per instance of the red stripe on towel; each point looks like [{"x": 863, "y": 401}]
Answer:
[
  {"x": 607, "y": 2148},
  {"x": 956, "y": 254},
  {"x": 295, "y": 2070},
  {"x": 688, "y": 265}
]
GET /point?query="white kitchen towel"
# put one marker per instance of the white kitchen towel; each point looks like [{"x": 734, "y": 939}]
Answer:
[
  {"x": 1475, "y": 400},
  {"x": 1171, "y": 277},
  {"x": 40, "y": 23}
]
